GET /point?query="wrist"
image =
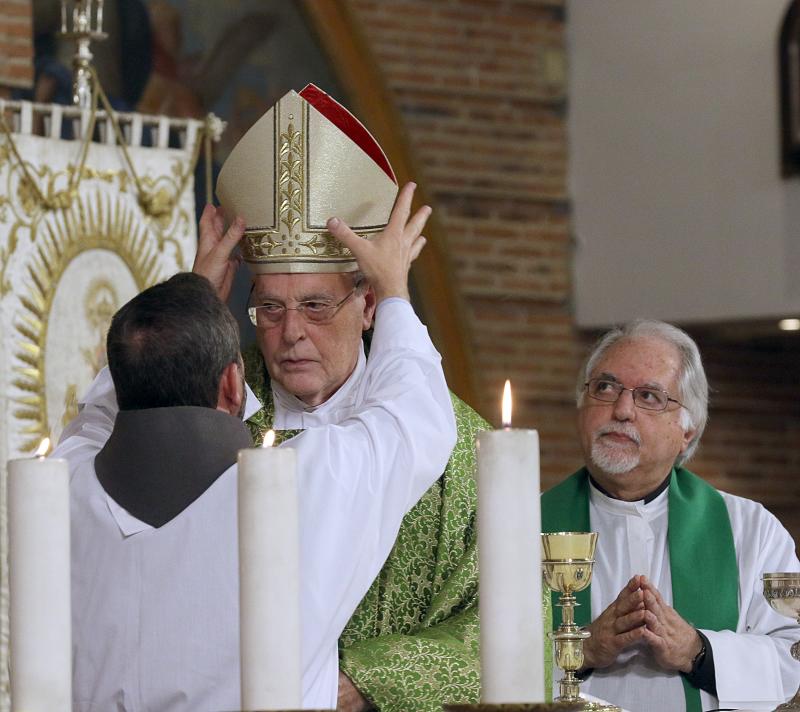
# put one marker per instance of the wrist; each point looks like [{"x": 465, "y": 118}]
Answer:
[
  {"x": 589, "y": 660},
  {"x": 398, "y": 292},
  {"x": 696, "y": 655}
]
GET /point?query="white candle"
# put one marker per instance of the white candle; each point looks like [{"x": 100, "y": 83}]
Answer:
[
  {"x": 39, "y": 584},
  {"x": 269, "y": 578},
  {"x": 509, "y": 557}
]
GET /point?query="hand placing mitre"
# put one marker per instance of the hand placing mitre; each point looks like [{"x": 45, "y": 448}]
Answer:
[
  {"x": 215, "y": 246},
  {"x": 618, "y": 627},
  {"x": 386, "y": 258}
]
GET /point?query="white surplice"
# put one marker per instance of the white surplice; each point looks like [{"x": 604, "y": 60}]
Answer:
[
  {"x": 155, "y": 611},
  {"x": 754, "y": 668}
]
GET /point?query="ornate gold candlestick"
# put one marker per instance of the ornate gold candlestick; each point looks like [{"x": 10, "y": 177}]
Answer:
[
  {"x": 782, "y": 590},
  {"x": 567, "y": 561},
  {"x": 87, "y": 25}
]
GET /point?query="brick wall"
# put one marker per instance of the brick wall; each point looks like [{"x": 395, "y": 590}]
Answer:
[
  {"x": 481, "y": 88},
  {"x": 16, "y": 44}
]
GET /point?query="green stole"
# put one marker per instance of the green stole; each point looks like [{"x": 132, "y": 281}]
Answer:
[{"x": 702, "y": 557}]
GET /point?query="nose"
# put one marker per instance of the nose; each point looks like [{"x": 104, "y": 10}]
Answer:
[
  {"x": 624, "y": 408},
  {"x": 293, "y": 328}
]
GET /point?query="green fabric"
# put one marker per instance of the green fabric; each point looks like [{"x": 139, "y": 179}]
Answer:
[
  {"x": 702, "y": 558},
  {"x": 705, "y": 575},
  {"x": 412, "y": 643}
]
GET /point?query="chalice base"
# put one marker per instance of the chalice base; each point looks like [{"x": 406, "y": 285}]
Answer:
[{"x": 586, "y": 706}]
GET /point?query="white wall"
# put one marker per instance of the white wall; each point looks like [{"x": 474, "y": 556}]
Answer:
[{"x": 680, "y": 212}]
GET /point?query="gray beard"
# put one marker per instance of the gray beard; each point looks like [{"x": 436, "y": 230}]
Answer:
[
  {"x": 613, "y": 462},
  {"x": 613, "y": 458}
]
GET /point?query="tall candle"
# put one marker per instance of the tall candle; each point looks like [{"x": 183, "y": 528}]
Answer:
[
  {"x": 509, "y": 558},
  {"x": 39, "y": 584},
  {"x": 269, "y": 579}
]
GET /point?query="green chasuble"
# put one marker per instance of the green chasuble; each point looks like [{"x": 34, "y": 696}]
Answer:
[
  {"x": 412, "y": 643},
  {"x": 702, "y": 557}
]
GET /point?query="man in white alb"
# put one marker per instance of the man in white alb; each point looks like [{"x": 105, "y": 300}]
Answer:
[
  {"x": 155, "y": 573},
  {"x": 678, "y": 620}
]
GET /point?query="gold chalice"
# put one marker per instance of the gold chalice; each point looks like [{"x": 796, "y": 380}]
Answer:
[
  {"x": 567, "y": 561},
  {"x": 782, "y": 590}
]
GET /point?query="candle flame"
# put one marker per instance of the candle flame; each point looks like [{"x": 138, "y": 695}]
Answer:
[
  {"x": 269, "y": 439},
  {"x": 44, "y": 446},
  {"x": 506, "y": 405}
]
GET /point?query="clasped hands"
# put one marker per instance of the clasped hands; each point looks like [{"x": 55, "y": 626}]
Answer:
[{"x": 640, "y": 615}]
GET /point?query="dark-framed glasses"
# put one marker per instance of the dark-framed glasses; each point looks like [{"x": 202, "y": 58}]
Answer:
[
  {"x": 644, "y": 397},
  {"x": 314, "y": 311}
]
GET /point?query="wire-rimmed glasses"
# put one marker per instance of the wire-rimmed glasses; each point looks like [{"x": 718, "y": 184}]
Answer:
[
  {"x": 645, "y": 397},
  {"x": 315, "y": 311}
]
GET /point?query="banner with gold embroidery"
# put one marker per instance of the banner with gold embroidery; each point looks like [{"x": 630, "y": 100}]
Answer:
[{"x": 84, "y": 226}]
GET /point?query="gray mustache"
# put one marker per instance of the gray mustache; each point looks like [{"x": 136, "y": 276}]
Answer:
[{"x": 620, "y": 428}]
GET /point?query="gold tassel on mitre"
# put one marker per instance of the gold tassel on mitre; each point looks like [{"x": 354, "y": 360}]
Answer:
[{"x": 306, "y": 160}]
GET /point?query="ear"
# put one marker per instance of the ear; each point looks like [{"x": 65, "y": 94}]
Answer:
[
  {"x": 369, "y": 308},
  {"x": 230, "y": 393},
  {"x": 688, "y": 436}
]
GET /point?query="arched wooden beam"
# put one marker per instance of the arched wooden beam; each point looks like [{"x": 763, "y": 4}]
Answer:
[{"x": 351, "y": 57}]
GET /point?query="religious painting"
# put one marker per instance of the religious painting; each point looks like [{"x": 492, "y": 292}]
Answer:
[{"x": 235, "y": 58}]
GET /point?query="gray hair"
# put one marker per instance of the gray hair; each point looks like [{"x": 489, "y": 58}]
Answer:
[{"x": 692, "y": 382}]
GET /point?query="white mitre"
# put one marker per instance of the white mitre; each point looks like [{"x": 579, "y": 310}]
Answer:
[{"x": 306, "y": 160}]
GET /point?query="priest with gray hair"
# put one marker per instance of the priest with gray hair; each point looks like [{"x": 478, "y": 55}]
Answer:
[{"x": 675, "y": 608}]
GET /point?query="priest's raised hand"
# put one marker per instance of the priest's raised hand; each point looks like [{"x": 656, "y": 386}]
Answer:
[{"x": 216, "y": 259}]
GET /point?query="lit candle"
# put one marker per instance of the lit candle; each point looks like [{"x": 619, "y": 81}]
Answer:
[
  {"x": 39, "y": 583},
  {"x": 269, "y": 576},
  {"x": 509, "y": 558},
  {"x": 64, "y": 16},
  {"x": 99, "y": 15}
]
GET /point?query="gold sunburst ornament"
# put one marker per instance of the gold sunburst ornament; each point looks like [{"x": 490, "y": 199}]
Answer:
[{"x": 97, "y": 229}]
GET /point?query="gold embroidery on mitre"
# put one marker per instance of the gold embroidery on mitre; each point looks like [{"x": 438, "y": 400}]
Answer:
[{"x": 291, "y": 242}]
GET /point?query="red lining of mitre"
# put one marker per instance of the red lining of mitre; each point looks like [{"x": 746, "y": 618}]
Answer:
[{"x": 348, "y": 124}]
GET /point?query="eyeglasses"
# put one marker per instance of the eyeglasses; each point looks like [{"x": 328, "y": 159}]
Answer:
[
  {"x": 314, "y": 311},
  {"x": 643, "y": 396}
]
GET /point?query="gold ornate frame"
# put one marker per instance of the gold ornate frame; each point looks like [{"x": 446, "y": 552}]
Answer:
[{"x": 93, "y": 222}]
